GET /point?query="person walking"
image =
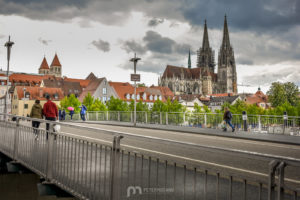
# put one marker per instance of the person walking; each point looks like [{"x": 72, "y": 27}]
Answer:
[
  {"x": 36, "y": 112},
  {"x": 83, "y": 112},
  {"x": 63, "y": 114},
  {"x": 227, "y": 118},
  {"x": 71, "y": 113},
  {"x": 50, "y": 112}
]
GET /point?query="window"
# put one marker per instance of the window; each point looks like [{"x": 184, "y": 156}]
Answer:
[
  {"x": 128, "y": 96},
  {"x": 138, "y": 97},
  {"x": 104, "y": 90},
  {"x": 26, "y": 106},
  {"x": 144, "y": 96},
  {"x": 155, "y": 97},
  {"x": 133, "y": 96},
  {"x": 56, "y": 96},
  {"x": 151, "y": 97},
  {"x": 104, "y": 99},
  {"x": 160, "y": 98}
]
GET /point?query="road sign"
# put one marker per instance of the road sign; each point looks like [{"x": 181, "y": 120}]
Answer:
[{"x": 135, "y": 77}]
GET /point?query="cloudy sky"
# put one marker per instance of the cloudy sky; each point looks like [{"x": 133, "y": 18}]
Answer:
[{"x": 101, "y": 36}]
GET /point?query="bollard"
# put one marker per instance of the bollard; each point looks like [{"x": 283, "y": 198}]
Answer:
[
  {"x": 245, "y": 120},
  {"x": 285, "y": 121}
]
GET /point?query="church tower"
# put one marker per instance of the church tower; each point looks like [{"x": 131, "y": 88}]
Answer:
[
  {"x": 227, "y": 78},
  {"x": 44, "y": 68},
  {"x": 205, "y": 55},
  {"x": 55, "y": 67}
]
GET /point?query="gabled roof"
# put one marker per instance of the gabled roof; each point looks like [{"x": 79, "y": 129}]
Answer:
[
  {"x": 66, "y": 86},
  {"x": 122, "y": 89},
  {"x": 171, "y": 71},
  {"x": 165, "y": 91},
  {"x": 91, "y": 76},
  {"x": 258, "y": 97},
  {"x": 187, "y": 97},
  {"x": 55, "y": 61},
  {"x": 39, "y": 92},
  {"x": 83, "y": 83},
  {"x": 44, "y": 64},
  {"x": 91, "y": 88}
]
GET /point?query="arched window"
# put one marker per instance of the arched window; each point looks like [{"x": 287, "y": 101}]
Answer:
[
  {"x": 151, "y": 97},
  {"x": 127, "y": 96}
]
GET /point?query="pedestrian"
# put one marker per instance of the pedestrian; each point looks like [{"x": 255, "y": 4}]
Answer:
[
  {"x": 36, "y": 112},
  {"x": 71, "y": 113},
  {"x": 63, "y": 114},
  {"x": 83, "y": 112},
  {"x": 50, "y": 112},
  {"x": 227, "y": 118}
]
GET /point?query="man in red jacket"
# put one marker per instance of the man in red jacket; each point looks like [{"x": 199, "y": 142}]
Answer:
[{"x": 50, "y": 112}]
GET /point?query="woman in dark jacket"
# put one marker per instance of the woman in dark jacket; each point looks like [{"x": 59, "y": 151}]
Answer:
[{"x": 36, "y": 112}]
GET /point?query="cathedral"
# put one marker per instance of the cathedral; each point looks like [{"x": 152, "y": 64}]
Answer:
[
  {"x": 203, "y": 79},
  {"x": 54, "y": 69}
]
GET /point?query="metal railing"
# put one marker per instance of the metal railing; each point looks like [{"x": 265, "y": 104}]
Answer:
[
  {"x": 113, "y": 167},
  {"x": 272, "y": 124}
]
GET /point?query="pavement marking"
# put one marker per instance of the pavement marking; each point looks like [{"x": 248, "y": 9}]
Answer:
[{"x": 294, "y": 147}]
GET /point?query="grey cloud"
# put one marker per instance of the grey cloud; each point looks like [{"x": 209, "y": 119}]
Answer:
[
  {"x": 291, "y": 74},
  {"x": 101, "y": 45},
  {"x": 155, "y": 22},
  {"x": 133, "y": 47},
  {"x": 44, "y": 42}
]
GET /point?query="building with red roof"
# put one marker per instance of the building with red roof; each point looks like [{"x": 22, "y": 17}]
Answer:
[
  {"x": 259, "y": 98},
  {"x": 24, "y": 97}
]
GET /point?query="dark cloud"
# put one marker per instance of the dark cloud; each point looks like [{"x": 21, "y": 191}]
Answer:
[
  {"x": 44, "y": 42},
  {"x": 133, "y": 47},
  {"x": 159, "y": 44},
  {"x": 101, "y": 45},
  {"x": 155, "y": 22}
]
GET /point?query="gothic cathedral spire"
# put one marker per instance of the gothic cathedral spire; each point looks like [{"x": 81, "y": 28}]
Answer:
[
  {"x": 205, "y": 55},
  {"x": 189, "y": 61},
  {"x": 227, "y": 78}
]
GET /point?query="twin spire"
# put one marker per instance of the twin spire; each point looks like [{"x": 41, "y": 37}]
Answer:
[{"x": 55, "y": 62}]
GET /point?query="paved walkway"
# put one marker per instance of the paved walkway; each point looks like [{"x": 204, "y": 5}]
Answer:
[{"x": 277, "y": 138}]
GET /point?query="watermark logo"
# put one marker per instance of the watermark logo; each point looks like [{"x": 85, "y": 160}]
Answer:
[
  {"x": 137, "y": 190},
  {"x": 134, "y": 190}
]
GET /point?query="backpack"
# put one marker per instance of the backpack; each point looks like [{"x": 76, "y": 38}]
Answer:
[{"x": 228, "y": 115}]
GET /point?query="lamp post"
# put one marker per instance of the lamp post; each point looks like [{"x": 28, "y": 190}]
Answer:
[
  {"x": 24, "y": 89},
  {"x": 8, "y": 45},
  {"x": 134, "y": 60}
]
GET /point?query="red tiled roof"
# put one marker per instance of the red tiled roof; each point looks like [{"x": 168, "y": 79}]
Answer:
[
  {"x": 258, "y": 97},
  {"x": 28, "y": 78},
  {"x": 39, "y": 92},
  {"x": 83, "y": 83},
  {"x": 221, "y": 95},
  {"x": 171, "y": 71},
  {"x": 165, "y": 91},
  {"x": 44, "y": 64},
  {"x": 55, "y": 61},
  {"x": 122, "y": 89}
]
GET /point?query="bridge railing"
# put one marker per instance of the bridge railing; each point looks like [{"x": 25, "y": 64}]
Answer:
[
  {"x": 272, "y": 124},
  {"x": 122, "y": 165}
]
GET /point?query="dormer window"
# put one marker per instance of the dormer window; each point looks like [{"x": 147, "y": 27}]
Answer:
[
  {"x": 155, "y": 97},
  {"x": 133, "y": 96},
  {"x": 138, "y": 97},
  {"x": 27, "y": 94},
  {"x": 55, "y": 96},
  {"x": 144, "y": 96},
  {"x": 128, "y": 96},
  {"x": 160, "y": 98},
  {"x": 151, "y": 97}
]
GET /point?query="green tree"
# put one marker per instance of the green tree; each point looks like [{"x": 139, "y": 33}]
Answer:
[
  {"x": 115, "y": 104},
  {"x": 140, "y": 106},
  {"x": 159, "y": 106},
  {"x": 98, "y": 106},
  {"x": 70, "y": 101},
  {"x": 279, "y": 93},
  {"x": 88, "y": 101}
]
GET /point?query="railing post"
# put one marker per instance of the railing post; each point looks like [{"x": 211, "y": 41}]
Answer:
[
  {"x": 16, "y": 138},
  {"x": 146, "y": 116},
  {"x": 280, "y": 183},
  {"x": 245, "y": 120},
  {"x": 205, "y": 120},
  {"x": 285, "y": 121},
  {"x": 271, "y": 185},
  {"x": 160, "y": 117},
  {"x": 119, "y": 116},
  {"x": 184, "y": 118},
  {"x": 50, "y": 145},
  {"x": 259, "y": 124},
  {"x": 106, "y": 115},
  {"x": 96, "y": 116},
  {"x": 167, "y": 120},
  {"x": 87, "y": 116},
  {"x": 131, "y": 117},
  {"x": 115, "y": 169}
]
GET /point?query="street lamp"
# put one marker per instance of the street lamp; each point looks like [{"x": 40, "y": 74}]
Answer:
[
  {"x": 134, "y": 60},
  {"x": 24, "y": 89},
  {"x": 8, "y": 45}
]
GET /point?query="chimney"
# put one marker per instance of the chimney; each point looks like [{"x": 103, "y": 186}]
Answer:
[{"x": 41, "y": 93}]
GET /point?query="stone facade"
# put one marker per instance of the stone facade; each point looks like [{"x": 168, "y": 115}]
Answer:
[
  {"x": 54, "y": 69},
  {"x": 203, "y": 79}
]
